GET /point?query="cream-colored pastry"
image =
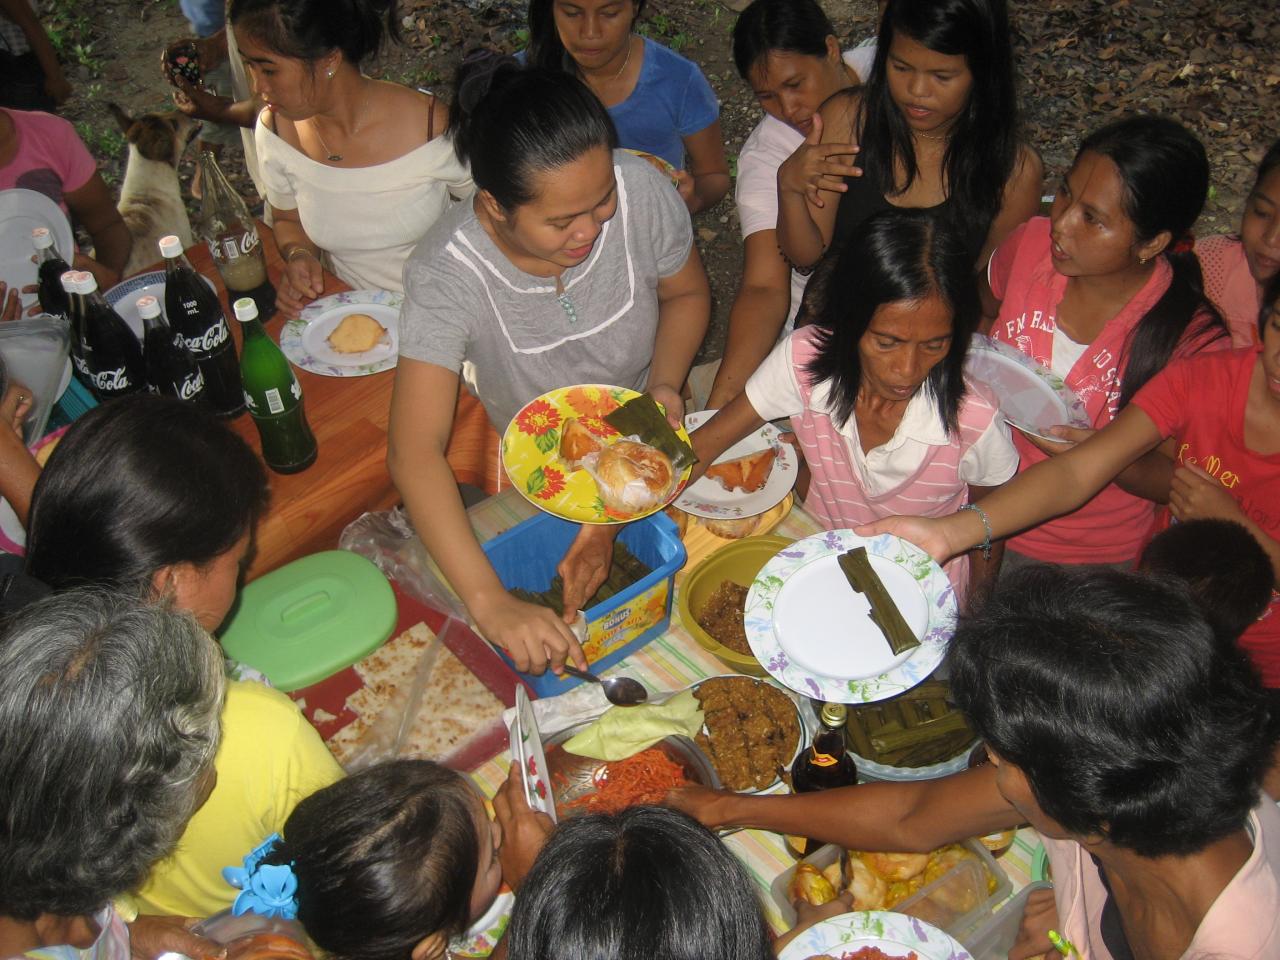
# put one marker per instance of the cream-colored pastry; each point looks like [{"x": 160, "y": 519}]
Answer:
[{"x": 357, "y": 333}]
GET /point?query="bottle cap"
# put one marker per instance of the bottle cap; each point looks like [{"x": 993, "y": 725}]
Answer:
[
  {"x": 69, "y": 279},
  {"x": 245, "y": 309},
  {"x": 148, "y": 307},
  {"x": 834, "y": 715},
  {"x": 170, "y": 246},
  {"x": 41, "y": 238},
  {"x": 86, "y": 282}
]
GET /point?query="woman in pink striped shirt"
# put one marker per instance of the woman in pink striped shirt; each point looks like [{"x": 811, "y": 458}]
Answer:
[{"x": 875, "y": 388}]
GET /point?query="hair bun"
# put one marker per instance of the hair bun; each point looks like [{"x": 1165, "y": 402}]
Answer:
[{"x": 476, "y": 74}]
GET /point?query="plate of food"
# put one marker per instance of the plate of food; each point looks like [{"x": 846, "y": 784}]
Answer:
[
  {"x": 587, "y": 785},
  {"x": 662, "y": 166},
  {"x": 526, "y": 749},
  {"x": 813, "y": 632},
  {"x": 874, "y": 935},
  {"x": 917, "y": 735},
  {"x": 752, "y": 729},
  {"x": 566, "y": 459},
  {"x": 349, "y": 334},
  {"x": 1032, "y": 398},
  {"x": 752, "y": 476},
  {"x": 21, "y": 211}
]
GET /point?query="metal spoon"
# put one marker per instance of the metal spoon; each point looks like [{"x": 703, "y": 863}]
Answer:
[{"x": 620, "y": 691}]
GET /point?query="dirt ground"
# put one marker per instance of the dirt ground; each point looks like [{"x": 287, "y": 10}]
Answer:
[{"x": 1213, "y": 64}]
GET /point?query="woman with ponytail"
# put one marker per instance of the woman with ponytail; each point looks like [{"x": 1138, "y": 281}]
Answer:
[
  {"x": 574, "y": 264},
  {"x": 356, "y": 170},
  {"x": 1104, "y": 292}
]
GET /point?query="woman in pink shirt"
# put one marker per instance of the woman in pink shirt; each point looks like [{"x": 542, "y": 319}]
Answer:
[
  {"x": 1097, "y": 294},
  {"x": 1238, "y": 267},
  {"x": 1126, "y": 734},
  {"x": 875, "y": 388}
]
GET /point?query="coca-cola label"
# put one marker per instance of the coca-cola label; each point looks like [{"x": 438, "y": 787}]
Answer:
[
  {"x": 81, "y": 365},
  {"x": 190, "y": 387},
  {"x": 211, "y": 339},
  {"x": 228, "y": 248},
  {"x": 111, "y": 381}
]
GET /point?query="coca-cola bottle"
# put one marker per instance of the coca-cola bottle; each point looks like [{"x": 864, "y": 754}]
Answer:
[
  {"x": 196, "y": 315},
  {"x": 171, "y": 369},
  {"x": 75, "y": 313},
  {"x": 273, "y": 395},
  {"x": 50, "y": 267},
  {"x": 226, "y": 226},
  {"x": 112, "y": 353}
]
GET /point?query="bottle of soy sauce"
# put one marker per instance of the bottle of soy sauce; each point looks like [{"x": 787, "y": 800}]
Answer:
[
  {"x": 50, "y": 267},
  {"x": 112, "y": 353},
  {"x": 171, "y": 370},
  {"x": 823, "y": 765}
]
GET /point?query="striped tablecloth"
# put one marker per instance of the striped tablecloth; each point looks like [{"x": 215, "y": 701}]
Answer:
[{"x": 675, "y": 660}]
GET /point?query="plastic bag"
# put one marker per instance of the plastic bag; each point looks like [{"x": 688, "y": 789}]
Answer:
[{"x": 388, "y": 539}]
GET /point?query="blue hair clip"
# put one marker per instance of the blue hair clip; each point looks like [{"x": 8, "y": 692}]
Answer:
[{"x": 268, "y": 890}]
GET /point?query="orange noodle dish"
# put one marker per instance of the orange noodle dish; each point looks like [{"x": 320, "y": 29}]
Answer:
[{"x": 641, "y": 779}]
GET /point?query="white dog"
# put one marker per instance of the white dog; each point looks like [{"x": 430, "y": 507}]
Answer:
[{"x": 150, "y": 197}]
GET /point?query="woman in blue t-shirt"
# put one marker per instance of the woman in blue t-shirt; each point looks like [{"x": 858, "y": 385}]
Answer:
[{"x": 659, "y": 101}]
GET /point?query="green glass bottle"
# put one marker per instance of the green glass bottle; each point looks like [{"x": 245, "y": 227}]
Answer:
[{"x": 273, "y": 396}]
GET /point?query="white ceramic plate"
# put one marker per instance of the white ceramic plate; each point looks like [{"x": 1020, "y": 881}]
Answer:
[
  {"x": 707, "y": 498},
  {"x": 124, "y": 296},
  {"x": 818, "y": 595},
  {"x": 526, "y": 747},
  {"x": 1032, "y": 398},
  {"x": 21, "y": 211},
  {"x": 832, "y": 671},
  {"x": 895, "y": 934},
  {"x": 305, "y": 340}
]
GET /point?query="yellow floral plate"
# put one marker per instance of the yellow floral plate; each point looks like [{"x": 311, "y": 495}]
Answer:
[{"x": 531, "y": 453}]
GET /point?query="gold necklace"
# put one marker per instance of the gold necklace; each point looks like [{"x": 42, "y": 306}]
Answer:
[
  {"x": 626, "y": 60},
  {"x": 329, "y": 154}
]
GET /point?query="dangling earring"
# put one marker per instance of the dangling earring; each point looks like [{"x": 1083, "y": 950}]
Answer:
[
  {"x": 1142, "y": 261},
  {"x": 330, "y": 73}
]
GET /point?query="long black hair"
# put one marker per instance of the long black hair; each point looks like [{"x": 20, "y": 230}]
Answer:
[
  {"x": 649, "y": 882},
  {"x": 785, "y": 26},
  {"x": 982, "y": 149},
  {"x": 384, "y": 858},
  {"x": 897, "y": 255},
  {"x": 511, "y": 122},
  {"x": 1165, "y": 173},
  {"x": 139, "y": 484},
  {"x": 545, "y": 47},
  {"x": 309, "y": 29},
  {"x": 1270, "y": 305}
]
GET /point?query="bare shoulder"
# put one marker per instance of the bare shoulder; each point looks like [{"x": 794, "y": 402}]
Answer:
[
  {"x": 1028, "y": 167},
  {"x": 840, "y": 113},
  {"x": 417, "y": 113},
  {"x": 282, "y": 127}
]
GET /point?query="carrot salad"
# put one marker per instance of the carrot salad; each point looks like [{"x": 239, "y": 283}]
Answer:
[{"x": 638, "y": 780}]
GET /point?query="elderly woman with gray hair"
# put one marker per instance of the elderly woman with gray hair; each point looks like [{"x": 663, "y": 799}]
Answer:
[{"x": 109, "y": 722}]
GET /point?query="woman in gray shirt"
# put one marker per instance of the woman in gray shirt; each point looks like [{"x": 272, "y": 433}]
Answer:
[{"x": 573, "y": 264}]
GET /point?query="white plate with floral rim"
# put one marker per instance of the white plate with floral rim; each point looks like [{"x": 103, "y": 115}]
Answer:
[
  {"x": 707, "y": 498},
  {"x": 21, "y": 211},
  {"x": 896, "y": 935},
  {"x": 305, "y": 340},
  {"x": 810, "y": 629},
  {"x": 526, "y": 749},
  {"x": 1032, "y": 397}
]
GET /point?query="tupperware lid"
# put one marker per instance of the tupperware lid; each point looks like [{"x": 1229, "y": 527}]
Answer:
[{"x": 311, "y": 618}]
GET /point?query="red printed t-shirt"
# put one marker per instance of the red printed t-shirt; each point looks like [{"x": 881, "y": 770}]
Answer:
[
  {"x": 1200, "y": 402},
  {"x": 1112, "y": 526},
  {"x": 51, "y": 158}
]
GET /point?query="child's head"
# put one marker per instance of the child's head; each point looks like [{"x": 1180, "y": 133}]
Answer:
[
  {"x": 647, "y": 882},
  {"x": 1260, "y": 225},
  {"x": 1229, "y": 573},
  {"x": 896, "y": 309},
  {"x": 390, "y": 857}
]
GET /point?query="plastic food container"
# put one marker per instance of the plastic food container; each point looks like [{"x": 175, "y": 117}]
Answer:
[
  {"x": 995, "y": 933},
  {"x": 311, "y": 618},
  {"x": 740, "y": 562},
  {"x": 942, "y": 903},
  {"x": 526, "y": 556}
]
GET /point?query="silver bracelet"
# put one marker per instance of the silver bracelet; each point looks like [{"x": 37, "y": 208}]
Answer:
[{"x": 986, "y": 526}]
